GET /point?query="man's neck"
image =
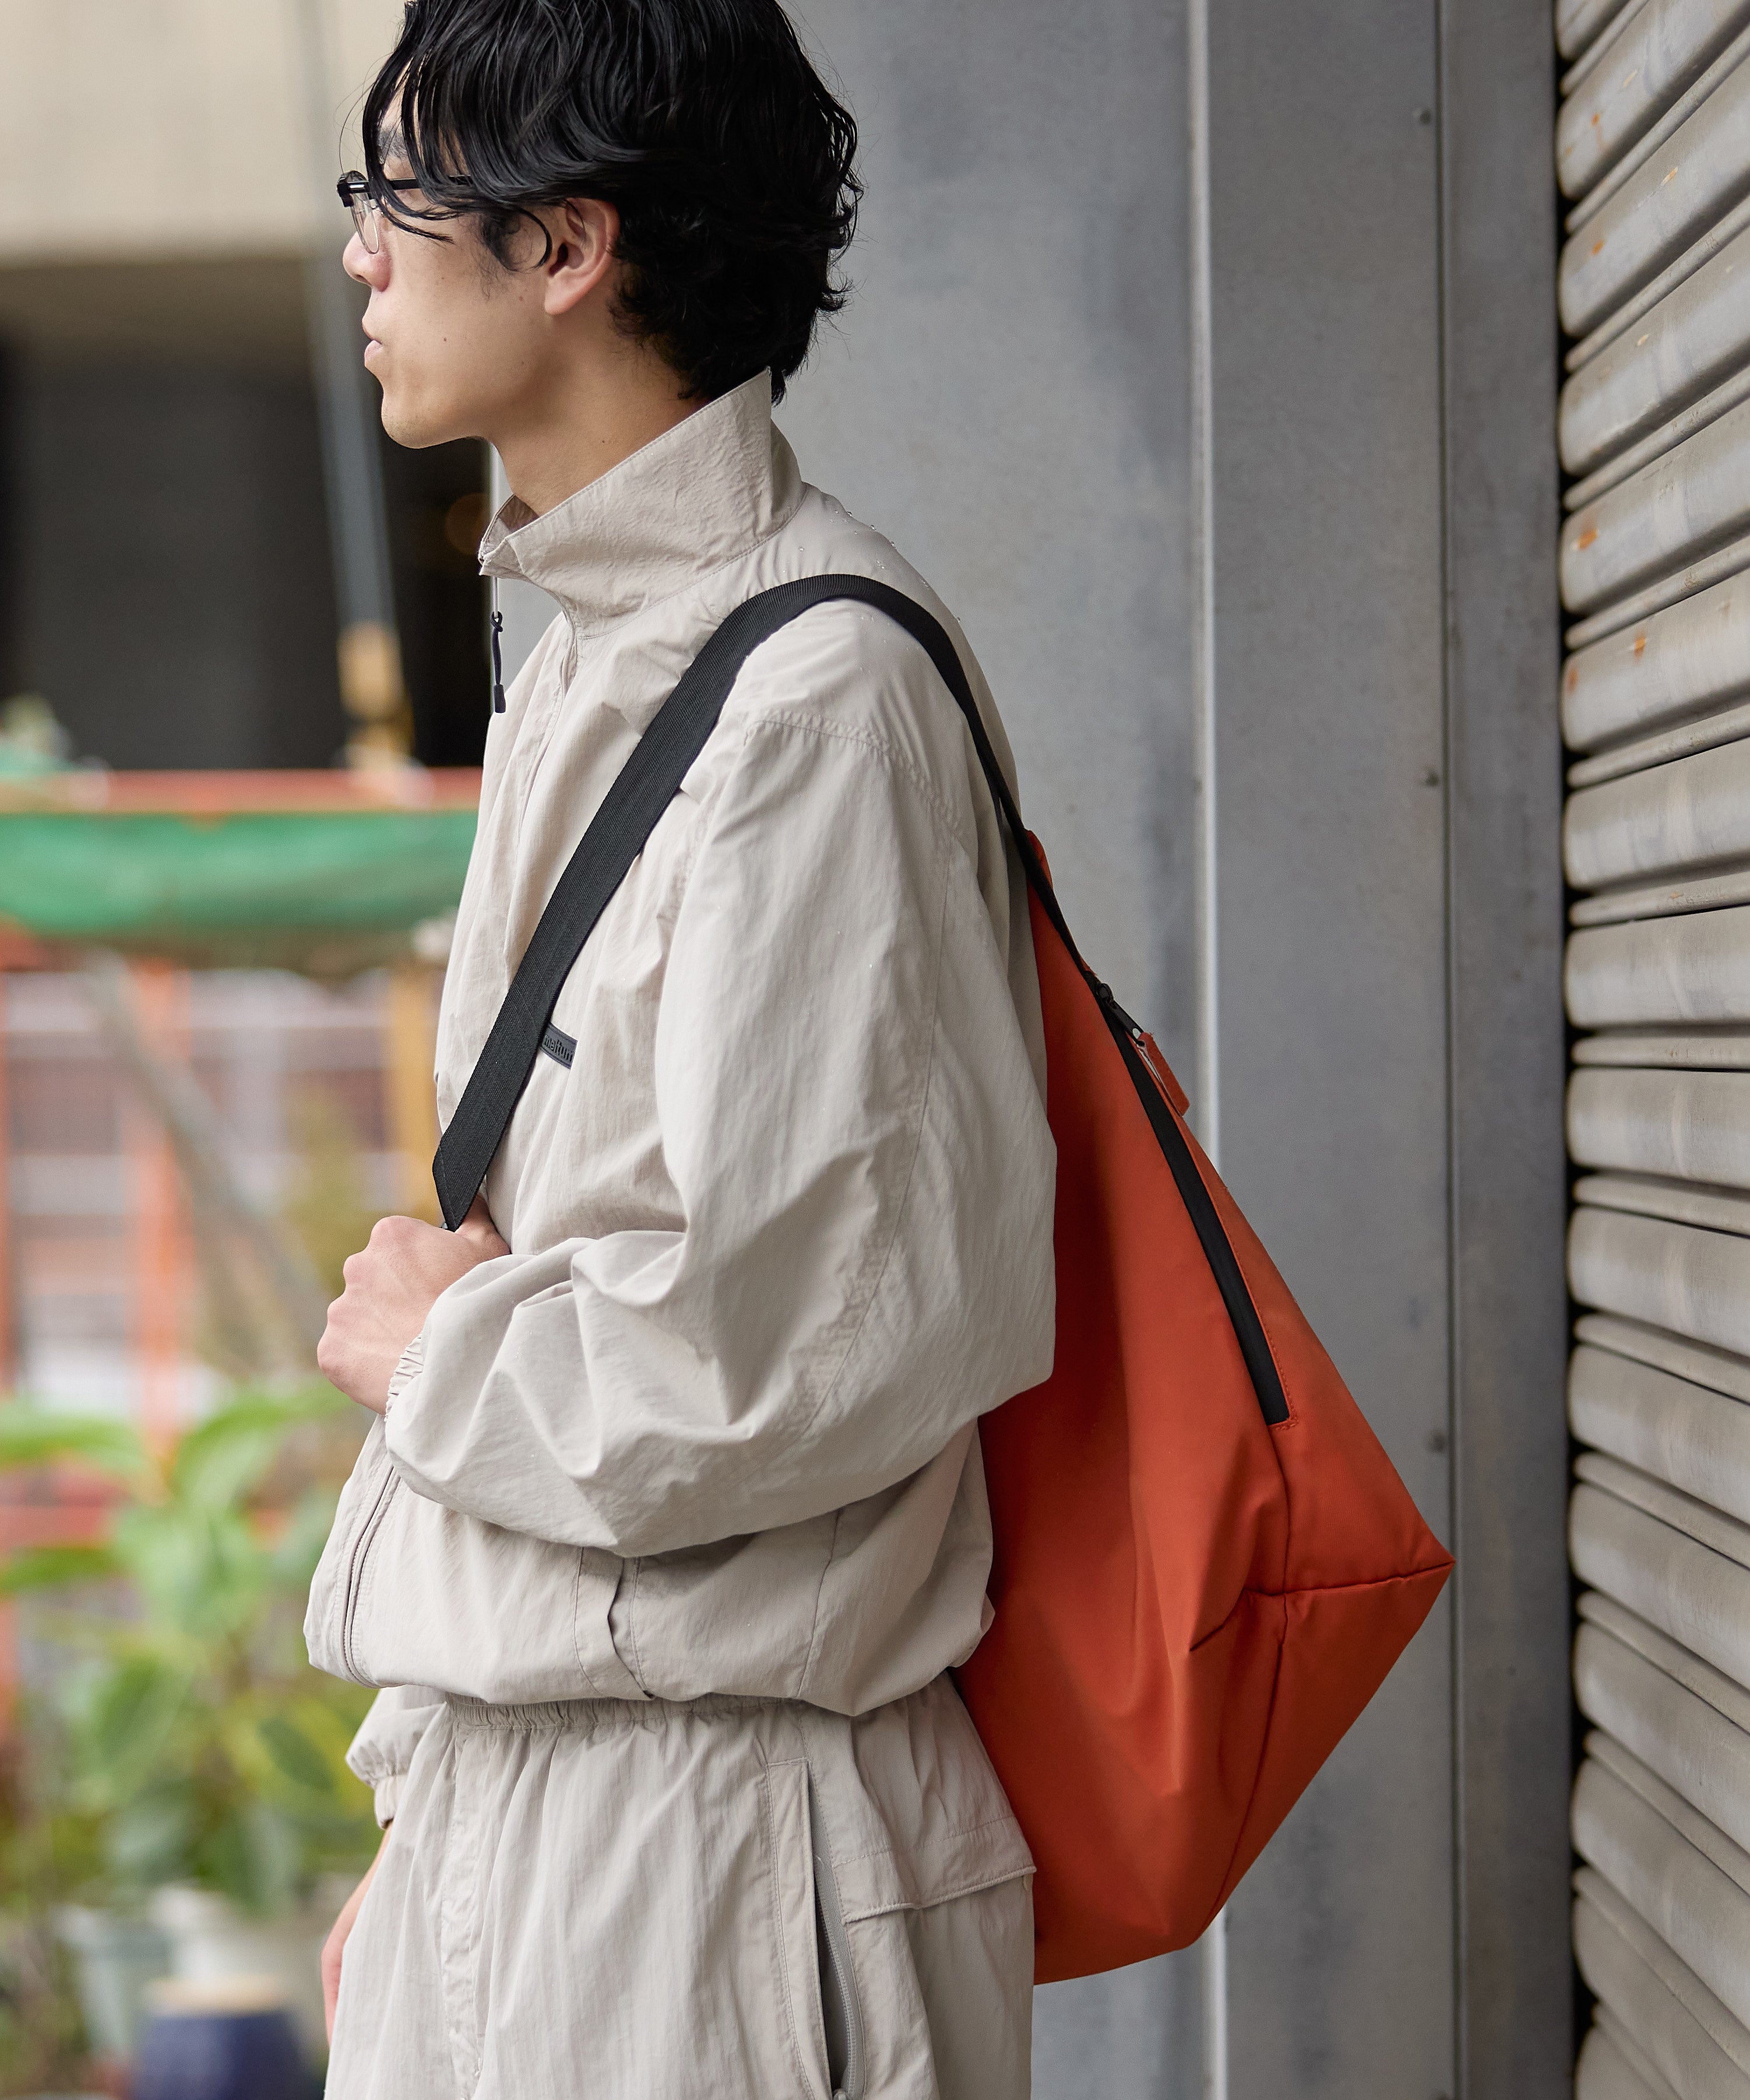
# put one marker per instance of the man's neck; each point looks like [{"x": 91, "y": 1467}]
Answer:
[{"x": 551, "y": 455}]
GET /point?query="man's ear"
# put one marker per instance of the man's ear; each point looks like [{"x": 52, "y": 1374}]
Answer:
[{"x": 584, "y": 233}]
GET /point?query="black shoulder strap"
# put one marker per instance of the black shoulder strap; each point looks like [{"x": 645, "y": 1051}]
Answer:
[{"x": 648, "y": 782}]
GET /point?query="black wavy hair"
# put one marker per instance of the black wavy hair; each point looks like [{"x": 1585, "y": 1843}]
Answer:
[{"x": 702, "y": 122}]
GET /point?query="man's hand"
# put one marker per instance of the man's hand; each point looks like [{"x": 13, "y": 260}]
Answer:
[
  {"x": 391, "y": 1287},
  {"x": 334, "y": 1947}
]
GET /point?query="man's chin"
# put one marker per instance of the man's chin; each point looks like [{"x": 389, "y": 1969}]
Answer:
[{"x": 414, "y": 428}]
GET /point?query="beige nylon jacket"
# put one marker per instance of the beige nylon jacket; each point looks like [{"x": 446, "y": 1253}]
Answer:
[{"x": 783, "y": 1230}]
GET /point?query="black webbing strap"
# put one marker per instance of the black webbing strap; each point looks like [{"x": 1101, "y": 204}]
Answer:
[
  {"x": 648, "y": 782},
  {"x": 647, "y": 785}
]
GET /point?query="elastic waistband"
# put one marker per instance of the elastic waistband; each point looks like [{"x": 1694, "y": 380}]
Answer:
[{"x": 595, "y": 1716}]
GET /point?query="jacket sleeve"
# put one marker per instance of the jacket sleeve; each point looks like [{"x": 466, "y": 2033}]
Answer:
[
  {"x": 860, "y": 1262},
  {"x": 383, "y": 1748}
]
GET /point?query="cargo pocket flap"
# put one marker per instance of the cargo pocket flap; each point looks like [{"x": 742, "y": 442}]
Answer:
[{"x": 957, "y": 1864}]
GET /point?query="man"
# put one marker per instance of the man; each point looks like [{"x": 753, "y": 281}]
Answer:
[{"x": 674, "y": 1522}]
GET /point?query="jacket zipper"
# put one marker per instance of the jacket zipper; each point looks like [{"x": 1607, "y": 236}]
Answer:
[
  {"x": 356, "y": 1572},
  {"x": 850, "y": 2085},
  {"x": 498, "y": 653}
]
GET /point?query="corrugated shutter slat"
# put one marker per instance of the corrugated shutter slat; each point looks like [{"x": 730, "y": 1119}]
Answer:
[
  {"x": 1661, "y": 52},
  {"x": 1654, "y": 141}
]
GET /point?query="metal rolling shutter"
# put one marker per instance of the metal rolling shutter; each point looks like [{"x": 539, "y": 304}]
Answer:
[{"x": 1653, "y": 150}]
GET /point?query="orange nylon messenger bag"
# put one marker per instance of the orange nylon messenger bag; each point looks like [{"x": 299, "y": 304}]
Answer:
[{"x": 1204, "y": 1563}]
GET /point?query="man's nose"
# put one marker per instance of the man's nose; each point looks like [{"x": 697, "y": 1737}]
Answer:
[{"x": 362, "y": 266}]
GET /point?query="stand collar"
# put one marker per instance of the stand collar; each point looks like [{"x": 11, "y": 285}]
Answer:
[{"x": 698, "y": 496}]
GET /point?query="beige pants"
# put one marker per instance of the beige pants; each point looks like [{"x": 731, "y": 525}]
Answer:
[{"x": 732, "y": 1899}]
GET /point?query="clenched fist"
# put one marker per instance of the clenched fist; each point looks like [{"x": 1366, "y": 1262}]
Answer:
[{"x": 391, "y": 1285}]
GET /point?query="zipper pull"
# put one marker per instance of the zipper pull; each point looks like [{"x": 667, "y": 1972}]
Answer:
[
  {"x": 498, "y": 662},
  {"x": 1108, "y": 999},
  {"x": 1148, "y": 1049}
]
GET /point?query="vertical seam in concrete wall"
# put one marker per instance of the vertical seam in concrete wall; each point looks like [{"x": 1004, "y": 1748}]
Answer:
[
  {"x": 1212, "y": 1949},
  {"x": 1448, "y": 767},
  {"x": 1207, "y": 1111}
]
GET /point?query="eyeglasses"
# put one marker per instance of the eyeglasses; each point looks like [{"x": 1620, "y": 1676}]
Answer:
[{"x": 354, "y": 191}]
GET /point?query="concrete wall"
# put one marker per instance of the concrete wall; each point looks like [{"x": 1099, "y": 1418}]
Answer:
[
  {"x": 1014, "y": 396},
  {"x": 1382, "y": 498},
  {"x": 180, "y": 127},
  {"x": 1331, "y": 915},
  {"x": 1008, "y": 397}
]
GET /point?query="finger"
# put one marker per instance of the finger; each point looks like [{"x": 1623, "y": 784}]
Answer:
[
  {"x": 477, "y": 1225},
  {"x": 331, "y": 1960},
  {"x": 334, "y": 1950}
]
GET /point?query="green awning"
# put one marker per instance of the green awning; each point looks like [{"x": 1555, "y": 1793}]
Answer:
[{"x": 325, "y": 889}]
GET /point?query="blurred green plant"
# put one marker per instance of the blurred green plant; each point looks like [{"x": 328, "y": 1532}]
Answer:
[
  {"x": 44, "y": 1854},
  {"x": 196, "y": 1743}
]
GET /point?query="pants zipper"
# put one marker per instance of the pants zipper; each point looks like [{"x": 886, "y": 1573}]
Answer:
[{"x": 850, "y": 2085}]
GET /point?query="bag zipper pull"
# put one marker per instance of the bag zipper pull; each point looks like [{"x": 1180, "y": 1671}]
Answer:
[
  {"x": 1147, "y": 1049},
  {"x": 1108, "y": 998},
  {"x": 1133, "y": 1029}
]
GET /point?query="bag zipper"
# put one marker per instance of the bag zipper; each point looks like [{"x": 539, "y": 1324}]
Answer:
[
  {"x": 1147, "y": 1049},
  {"x": 850, "y": 2085},
  {"x": 1218, "y": 1249},
  {"x": 356, "y": 1572}
]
